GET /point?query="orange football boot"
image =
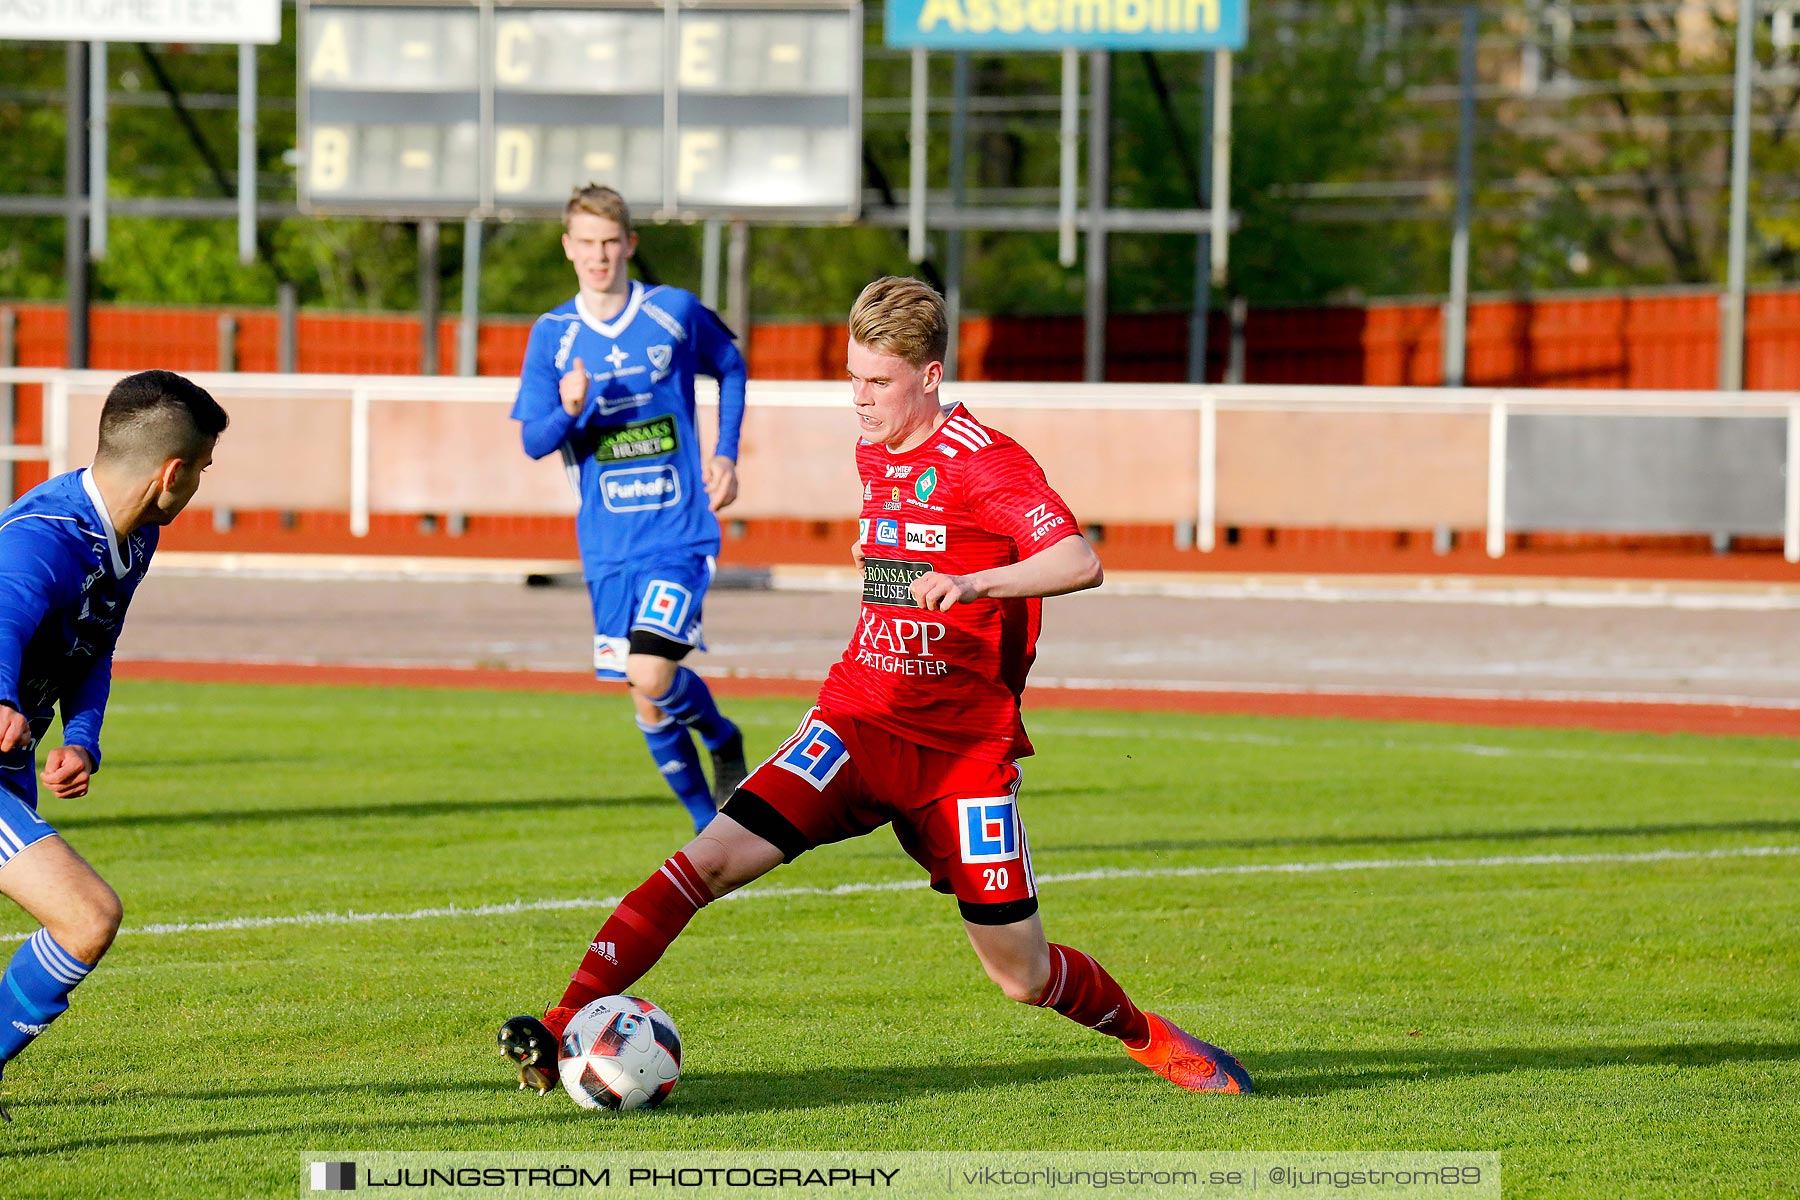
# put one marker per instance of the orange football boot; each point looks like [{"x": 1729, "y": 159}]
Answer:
[{"x": 1188, "y": 1062}]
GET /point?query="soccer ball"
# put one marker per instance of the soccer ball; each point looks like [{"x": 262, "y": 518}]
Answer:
[{"x": 620, "y": 1052}]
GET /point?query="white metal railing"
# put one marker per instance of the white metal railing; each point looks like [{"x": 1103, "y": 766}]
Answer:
[{"x": 1206, "y": 401}]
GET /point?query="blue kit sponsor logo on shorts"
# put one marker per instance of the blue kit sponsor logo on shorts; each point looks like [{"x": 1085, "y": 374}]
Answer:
[
  {"x": 816, "y": 755},
  {"x": 665, "y": 609}
]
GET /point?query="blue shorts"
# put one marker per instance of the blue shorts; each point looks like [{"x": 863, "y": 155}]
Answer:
[
  {"x": 20, "y": 825},
  {"x": 663, "y": 599}
]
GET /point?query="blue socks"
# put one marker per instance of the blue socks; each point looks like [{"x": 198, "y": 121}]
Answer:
[
  {"x": 35, "y": 990},
  {"x": 690, "y": 701},
  {"x": 679, "y": 761}
]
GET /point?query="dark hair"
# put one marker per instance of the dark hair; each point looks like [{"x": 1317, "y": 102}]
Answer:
[{"x": 159, "y": 415}]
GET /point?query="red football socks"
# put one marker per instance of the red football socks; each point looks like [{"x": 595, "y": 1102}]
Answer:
[
  {"x": 1081, "y": 990},
  {"x": 638, "y": 932}
]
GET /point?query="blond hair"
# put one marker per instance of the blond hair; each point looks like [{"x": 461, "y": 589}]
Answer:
[
  {"x": 601, "y": 202},
  {"x": 903, "y": 317}
]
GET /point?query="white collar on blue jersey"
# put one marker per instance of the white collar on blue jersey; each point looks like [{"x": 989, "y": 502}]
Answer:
[
  {"x": 616, "y": 326},
  {"x": 120, "y": 565}
]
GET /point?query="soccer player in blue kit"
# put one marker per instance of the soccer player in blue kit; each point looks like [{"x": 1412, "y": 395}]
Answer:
[
  {"x": 609, "y": 381},
  {"x": 72, "y": 553}
]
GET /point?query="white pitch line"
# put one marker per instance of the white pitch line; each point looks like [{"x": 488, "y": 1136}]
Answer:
[
  {"x": 1385, "y": 692},
  {"x": 467, "y": 673},
  {"x": 913, "y": 885},
  {"x": 1047, "y": 724}
]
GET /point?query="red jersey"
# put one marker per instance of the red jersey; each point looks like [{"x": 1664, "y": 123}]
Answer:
[{"x": 968, "y": 499}]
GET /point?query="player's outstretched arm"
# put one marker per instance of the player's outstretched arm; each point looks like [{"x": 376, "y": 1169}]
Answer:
[{"x": 1070, "y": 565}]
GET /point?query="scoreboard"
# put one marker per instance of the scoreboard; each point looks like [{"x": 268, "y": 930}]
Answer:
[{"x": 716, "y": 108}]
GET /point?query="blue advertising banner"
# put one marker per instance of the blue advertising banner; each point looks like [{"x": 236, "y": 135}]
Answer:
[{"x": 1054, "y": 24}]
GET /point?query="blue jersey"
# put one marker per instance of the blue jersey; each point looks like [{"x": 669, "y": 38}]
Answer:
[
  {"x": 66, "y": 579},
  {"x": 633, "y": 453}
]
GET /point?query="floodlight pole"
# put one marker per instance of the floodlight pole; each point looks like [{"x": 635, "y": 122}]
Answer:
[
  {"x": 737, "y": 284},
  {"x": 1731, "y": 323},
  {"x": 918, "y": 165},
  {"x": 953, "y": 239},
  {"x": 429, "y": 306},
  {"x": 97, "y": 151},
  {"x": 1070, "y": 139},
  {"x": 710, "y": 239},
  {"x": 75, "y": 200},
  {"x": 468, "y": 340},
  {"x": 246, "y": 153},
  {"x": 1456, "y": 308},
  {"x": 1099, "y": 162},
  {"x": 1197, "y": 320},
  {"x": 1219, "y": 194}
]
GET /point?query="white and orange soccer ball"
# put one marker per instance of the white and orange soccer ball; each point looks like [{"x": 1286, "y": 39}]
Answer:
[{"x": 620, "y": 1052}]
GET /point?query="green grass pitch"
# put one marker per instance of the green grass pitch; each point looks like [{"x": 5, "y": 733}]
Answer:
[{"x": 1612, "y": 1024}]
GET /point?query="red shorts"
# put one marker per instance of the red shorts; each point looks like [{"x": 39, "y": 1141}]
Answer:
[{"x": 839, "y": 777}]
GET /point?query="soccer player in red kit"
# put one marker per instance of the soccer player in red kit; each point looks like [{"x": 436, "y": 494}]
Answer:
[{"x": 918, "y": 725}]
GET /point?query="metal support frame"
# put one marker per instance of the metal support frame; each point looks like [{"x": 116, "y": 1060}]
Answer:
[
  {"x": 9, "y": 353},
  {"x": 97, "y": 150},
  {"x": 671, "y": 98},
  {"x": 737, "y": 284},
  {"x": 246, "y": 154},
  {"x": 228, "y": 342},
  {"x": 359, "y": 462},
  {"x": 56, "y": 425},
  {"x": 1731, "y": 322},
  {"x": 1220, "y": 208},
  {"x": 1025, "y": 219},
  {"x": 468, "y": 329},
  {"x": 1069, "y": 137},
  {"x": 710, "y": 254},
  {"x": 1790, "y": 542},
  {"x": 953, "y": 239},
  {"x": 1237, "y": 350},
  {"x": 430, "y": 306},
  {"x": 918, "y": 131},
  {"x": 1496, "y": 481},
  {"x": 1456, "y": 308},
  {"x": 75, "y": 190},
  {"x": 1201, "y": 316},
  {"x": 1099, "y": 181},
  {"x": 1206, "y": 526},
  {"x": 287, "y": 327}
]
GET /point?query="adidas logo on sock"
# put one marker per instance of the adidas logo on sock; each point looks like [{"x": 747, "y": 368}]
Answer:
[
  {"x": 605, "y": 950},
  {"x": 29, "y": 1030},
  {"x": 673, "y": 767}
]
